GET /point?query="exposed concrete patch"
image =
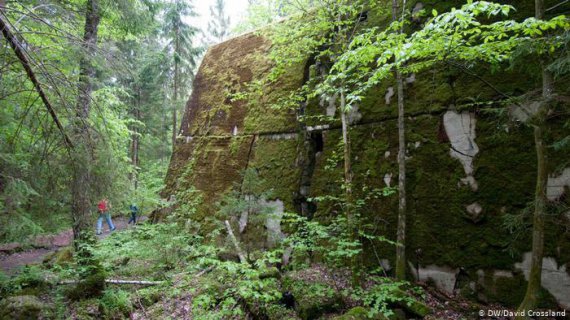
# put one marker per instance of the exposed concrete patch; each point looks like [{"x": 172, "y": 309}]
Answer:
[
  {"x": 331, "y": 108},
  {"x": 554, "y": 278},
  {"x": 318, "y": 127},
  {"x": 444, "y": 278},
  {"x": 474, "y": 212},
  {"x": 555, "y": 186},
  {"x": 388, "y": 179},
  {"x": 460, "y": 129},
  {"x": 502, "y": 274},
  {"x": 281, "y": 136},
  {"x": 389, "y": 94},
  {"x": 525, "y": 111},
  {"x": 386, "y": 154},
  {"x": 471, "y": 182},
  {"x": 385, "y": 264},
  {"x": 354, "y": 115},
  {"x": 273, "y": 221},
  {"x": 235, "y": 131},
  {"x": 415, "y": 12},
  {"x": 244, "y": 217},
  {"x": 286, "y": 258},
  {"x": 411, "y": 79}
]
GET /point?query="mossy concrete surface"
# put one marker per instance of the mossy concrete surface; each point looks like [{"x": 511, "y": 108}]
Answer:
[{"x": 221, "y": 135}]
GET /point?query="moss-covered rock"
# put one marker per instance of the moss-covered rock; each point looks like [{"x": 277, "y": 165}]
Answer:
[
  {"x": 314, "y": 295},
  {"x": 92, "y": 286},
  {"x": 357, "y": 313},
  {"x": 62, "y": 257},
  {"x": 278, "y": 312},
  {"x": 411, "y": 305},
  {"x": 23, "y": 308}
]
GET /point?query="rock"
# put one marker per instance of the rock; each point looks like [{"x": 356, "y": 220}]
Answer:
[
  {"x": 361, "y": 313},
  {"x": 412, "y": 305},
  {"x": 92, "y": 286},
  {"x": 356, "y": 313},
  {"x": 61, "y": 257},
  {"x": 474, "y": 212},
  {"x": 314, "y": 294},
  {"x": 279, "y": 312},
  {"x": 22, "y": 307}
]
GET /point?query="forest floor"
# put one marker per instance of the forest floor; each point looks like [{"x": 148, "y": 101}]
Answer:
[{"x": 15, "y": 255}]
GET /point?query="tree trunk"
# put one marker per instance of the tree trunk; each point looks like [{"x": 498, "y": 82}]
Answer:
[
  {"x": 347, "y": 162},
  {"x": 176, "y": 84},
  {"x": 350, "y": 219},
  {"x": 2, "y": 7},
  {"x": 534, "y": 279},
  {"x": 83, "y": 155},
  {"x": 235, "y": 242},
  {"x": 401, "y": 229},
  {"x": 135, "y": 140}
]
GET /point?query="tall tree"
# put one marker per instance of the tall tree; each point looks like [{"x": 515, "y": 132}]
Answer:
[
  {"x": 219, "y": 26},
  {"x": 531, "y": 297},
  {"x": 401, "y": 229},
  {"x": 179, "y": 35},
  {"x": 83, "y": 154}
]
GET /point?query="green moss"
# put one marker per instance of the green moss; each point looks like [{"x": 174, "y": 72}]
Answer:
[
  {"x": 91, "y": 286},
  {"x": 356, "y": 313},
  {"x": 23, "y": 308},
  {"x": 275, "y": 162},
  {"x": 278, "y": 312},
  {"x": 437, "y": 222},
  {"x": 312, "y": 297}
]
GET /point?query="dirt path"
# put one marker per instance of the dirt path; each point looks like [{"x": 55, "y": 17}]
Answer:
[{"x": 11, "y": 261}]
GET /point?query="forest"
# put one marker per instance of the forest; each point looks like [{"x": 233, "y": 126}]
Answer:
[{"x": 284, "y": 159}]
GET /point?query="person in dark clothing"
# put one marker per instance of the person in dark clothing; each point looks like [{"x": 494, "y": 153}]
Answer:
[{"x": 134, "y": 211}]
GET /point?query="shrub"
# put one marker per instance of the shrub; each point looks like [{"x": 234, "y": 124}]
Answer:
[{"x": 115, "y": 304}]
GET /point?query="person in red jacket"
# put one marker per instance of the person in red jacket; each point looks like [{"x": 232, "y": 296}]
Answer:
[{"x": 103, "y": 207}]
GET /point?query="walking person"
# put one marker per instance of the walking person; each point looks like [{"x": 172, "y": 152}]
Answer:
[
  {"x": 134, "y": 211},
  {"x": 103, "y": 207}
]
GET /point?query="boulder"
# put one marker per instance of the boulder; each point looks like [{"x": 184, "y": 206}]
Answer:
[
  {"x": 313, "y": 293},
  {"x": 22, "y": 307}
]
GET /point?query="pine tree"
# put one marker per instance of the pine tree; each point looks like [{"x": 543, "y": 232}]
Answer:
[
  {"x": 179, "y": 35},
  {"x": 218, "y": 27}
]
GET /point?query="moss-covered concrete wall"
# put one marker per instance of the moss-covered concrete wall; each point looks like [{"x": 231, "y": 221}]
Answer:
[{"x": 457, "y": 236}]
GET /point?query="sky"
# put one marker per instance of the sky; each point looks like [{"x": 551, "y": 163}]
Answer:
[{"x": 234, "y": 8}]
